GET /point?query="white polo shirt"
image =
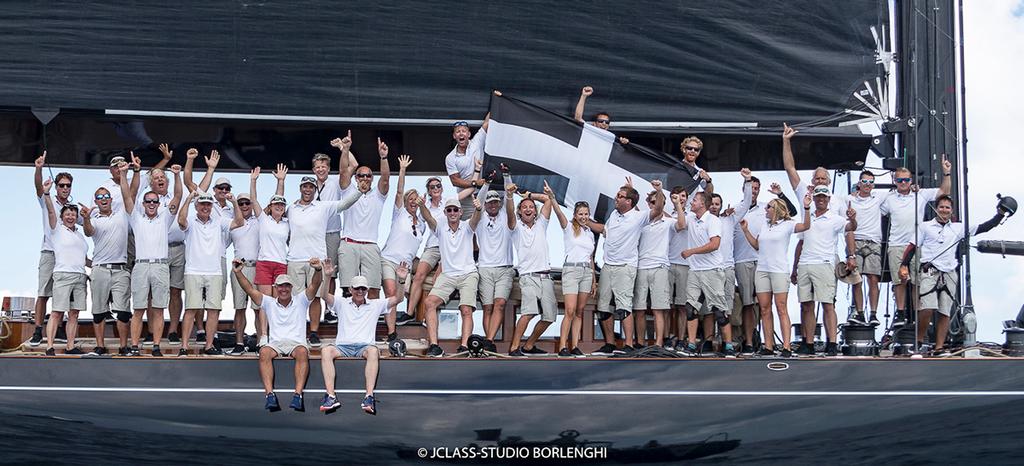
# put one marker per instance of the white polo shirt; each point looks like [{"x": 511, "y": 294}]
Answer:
[
  {"x": 773, "y": 246},
  {"x": 869, "y": 216},
  {"x": 246, "y": 239},
  {"x": 678, "y": 241},
  {"x": 274, "y": 239},
  {"x": 622, "y": 236},
  {"x": 286, "y": 323},
  {"x": 465, "y": 164},
  {"x": 653, "y": 248},
  {"x": 362, "y": 220},
  {"x": 742, "y": 250},
  {"x": 936, "y": 243},
  {"x": 407, "y": 231},
  {"x": 456, "y": 247},
  {"x": 531, "y": 245},
  {"x": 438, "y": 213},
  {"x": 700, "y": 230},
  {"x": 47, "y": 231},
  {"x": 151, "y": 233},
  {"x": 69, "y": 249},
  {"x": 330, "y": 191},
  {"x": 820, "y": 240},
  {"x": 494, "y": 240},
  {"x": 308, "y": 223},
  {"x": 836, "y": 203},
  {"x": 903, "y": 215},
  {"x": 204, "y": 244},
  {"x": 578, "y": 248},
  {"x": 358, "y": 324},
  {"x": 110, "y": 238}
]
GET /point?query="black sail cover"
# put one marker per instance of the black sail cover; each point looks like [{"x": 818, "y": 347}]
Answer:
[{"x": 668, "y": 61}]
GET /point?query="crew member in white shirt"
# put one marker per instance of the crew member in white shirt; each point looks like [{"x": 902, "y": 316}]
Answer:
[
  {"x": 530, "y": 240},
  {"x": 814, "y": 265},
  {"x": 730, "y": 222},
  {"x": 274, "y": 230},
  {"x": 113, "y": 184},
  {"x": 404, "y": 238},
  {"x": 868, "y": 252},
  {"x": 63, "y": 183},
  {"x": 460, "y": 163},
  {"x": 579, "y": 282},
  {"x": 69, "y": 251},
  {"x": 358, "y": 253},
  {"x": 707, "y": 271},
  {"x": 652, "y": 277},
  {"x": 245, "y": 234},
  {"x": 221, "y": 208},
  {"x": 204, "y": 246},
  {"x": 838, "y": 201},
  {"x": 746, "y": 263},
  {"x": 680, "y": 322},
  {"x": 494, "y": 240}
]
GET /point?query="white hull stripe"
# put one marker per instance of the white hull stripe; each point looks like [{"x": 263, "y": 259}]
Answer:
[{"x": 537, "y": 392}]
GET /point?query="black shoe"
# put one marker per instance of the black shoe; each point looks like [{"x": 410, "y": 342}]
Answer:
[
  {"x": 747, "y": 350},
  {"x": 766, "y": 352},
  {"x": 173, "y": 338},
  {"x": 577, "y": 352},
  {"x": 213, "y": 351},
  {"x": 98, "y": 351},
  {"x": 156, "y": 352},
  {"x": 831, "y": 349},
  {"x": 728, "y": 351},
  {"x": 435, "y": 351},
  {"x": 686, "y": 349},
  {"x": 857, "y": 319},
  {"x": 707, "y": 349},
  {"x": 124, "y": 351},
  {"x": 314, "y": 340},
  {"x": 605, "y": 350},
  {"x": 900, "y": 319},
  {"x": 517, "y": 353},
  {"x": 490, "y": 346},
  {"x": 330, "y": 317},
  {"x": 405, "y": 319},
  {"x": 148, "y": 341},
  {"x": 51, "y": 352},
  {"x": 786, "y": 353},
  {"x": 462, "y": 349},
  {"x": 200, "y": 337},
  {"x": 392, "y": 336},
  {"x": 626, "y": 349},
  {"x": 873, "y": 320},
  {"x": 803, "y": 349},
  {"x": 62, "y": 336},
  {"x": 564, "y": 353},
  {"x": 134, "y": 351},
  {"x": 37, "y": 337},
  {"x": 182, "y": 353},
  {"x": 238, "y": 350},
  {"x": 535, "y": 350}
]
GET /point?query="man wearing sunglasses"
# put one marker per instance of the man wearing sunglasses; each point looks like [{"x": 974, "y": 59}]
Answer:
[
  {"x": 113, "y": 184},
  {"x": 691, "y": 148},
  {"x": 906, "y": 208},
  {"x": 110, "y": 279},
  {"x": 63, "y": 183},
  {"x": 460, "y": 163},
  {"x": 495, "y": 264},
  {"x": 602, "y": 120},
  {"x": 245, "y": 235},
  {"x": 358, "y": 253},
  {"x": 868, "y": 252},
  {"x": 838, "y": 201}
]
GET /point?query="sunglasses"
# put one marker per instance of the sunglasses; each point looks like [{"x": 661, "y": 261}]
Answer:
[
  {"x": 223, "y": 187},
  {"x": 151, "y": 201},
  {"x": 100, "y": 197},
  {"x": 451, "y": 209},
  {"x": 460, "y": 123},
  {"x": 63, "y": 185},
  {"x": 582, "y": 204},
  {"x": 361, "y": 288},
  {"x": 364, "y": 175},
  {"x": 867, "y": 181},
  {"x": 244, "y": 203},
  {"x": 603, "y": 120},
  {"x": 902, "y": 180},
  {"x": 415, "y": 232},
  {"x": 434, "y": 186},
  {"x": 691, "y": 148}
]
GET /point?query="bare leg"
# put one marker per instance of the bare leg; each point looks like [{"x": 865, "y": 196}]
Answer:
[
  {"x": 608, "y": 329},
  {"x": 924, "y": 318},
  {"x": 659, "y": 326},
  {"x": 577, "y": 326},
  {"x": 828, "y": 316},
  {"x": 416, "y": 292},
  {"x": 858, "y": 297},
  {"x": 873, "y": 292},
  {"x": 51, "y": 327},
  {"x": 640, "y": 325},
  {"x": 314, "y": 315},
  {"x": 567, "y": 321},
  {"x": 517, "y": 335},
  {"x": 627, "y": 330},
  {"x": 100, "y": 331},
  {"x": 174, "y": 310},
  {"x": 708, "y": 322},
  {"x": 691, "y": 328},
  {"x": 123, "y": 330},
  {"x": 212, "y": 319},
  {"x": 432, "y": 303},
  {"x": 901, "y": 296},
  {"x": 467, "y": 323},
  {"x": 372, "y": 355},
  {"x": 301, "y": 355},
  {"x": 137, "y": 326},
  {"x": 808, "y": 321},
  {"x": 327, "y": 357},
  {"x": 186, "y": 327},
  {"x": 72, "y": 328},
  {"x": 493, "y": 323},
  {"x": 538, "y": 330},
  {"x": 785, "y": 325},
  {"x": 941, "y": 329},
  {"x": 267, "y": 356},
  {"x": 390, "y": 289},
  {"x": 764, "y": 301},
  {"x": 156, "y": 324},
  {"x": 749, "y": 322},
  {"x": 40, "y": 311}
]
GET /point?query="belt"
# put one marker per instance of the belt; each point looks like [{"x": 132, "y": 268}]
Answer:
[
  {"x": 585, "y": 265},
  {"x": 535, "y": 274},
  {"x": 120, "y": 266},
  {"x": 350, "y": 240},
  {"x": 176, "y": 243},
  {"x": 248, "y": 263},
  {"x": 151, "y": 261}
]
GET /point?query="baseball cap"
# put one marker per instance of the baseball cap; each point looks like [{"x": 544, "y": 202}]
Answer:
[
  {"x": 275, "y": 199},
  {"x": 493, "y": 196},
  {"x": 822, "y": 191},
  {"x": 308, "y": 180},
  {"x": 241, "y": 196},
  {"x": 452, "y": 203},
  {"x": 283, "y": 279},
  {"x": 359, "y": 281},
  {"x": 117, "y": 160},
  {"x": 204, "y": 198},
  {"x": 221, "y": 181}
]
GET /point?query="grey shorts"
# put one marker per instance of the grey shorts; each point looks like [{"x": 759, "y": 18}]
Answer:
[
  {"x": 333, "y": 239},
  {"x": 176, "y": 265},
  {"x": 111, "y": 289},
  {"x": 616, "y": 281},
  {"x": 389, "y": 270},
  {"x": 286, "y": 347},
  {"x": 869, "y": 257},
  {"x": 45, "y": 280},
  {"x": 677, "y": 277},
  {"x": 653, "y": 283},
  {"x": 771, "y": 282},
  {"x": 301, "y": 274},
  {"x": 238, "y": 295},
  {"x": 745, "y": 281},
  {"x": 204, "y": 292},
  {"x": 729, "y": 286},
  {"x": 431, "y": 256},
  {"x": 538, "y": 288},
  {"x": 938, "y": 290},
  {"x": 466, "y": 284},
  {"x": 358, "y": 259},
  {"x": 577, "y": 280},
  {"x": 495, "y": 283},
  {"x": 710, "y": 284},
  {"x": 816, "y": 282},
  {"x": 150, "y": 281},
  {"x": 895, "y": 254},
  {"x": 68, "y": 292}
]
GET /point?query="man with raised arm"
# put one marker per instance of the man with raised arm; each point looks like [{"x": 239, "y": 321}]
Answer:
[
  {"x": 63, "y": 183},
  {"x": 746, "y": 262},
  {"x": 707, "y": 272},
  {"x": 245, "y": 234},
  {"x": 204, "y": 248},
  {"x": 837, "y": 202},
  {"x": 730, "y": 221},
  {"x": 494, "y": 263},
  {"x": 357, "y": 324},
  {"x": 404, "y": 238},
  {"x": 529, "y": 238},
  {"x": 221, "y": 207},
  {"x": 602, "y": 119},
  {"x": 358, "y": 253},
  {"x": 460, "y": 163},
  {"x": 285, "y": 323}
]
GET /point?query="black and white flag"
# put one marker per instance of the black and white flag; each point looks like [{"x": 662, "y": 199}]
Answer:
[{"x": 579, "y": 161}]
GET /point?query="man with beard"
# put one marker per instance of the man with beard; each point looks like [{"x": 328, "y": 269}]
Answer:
[
  {"x": 837, "y": 203},
  {"x": 529, "y": 238},
  {"x": 358, "y": 253}
]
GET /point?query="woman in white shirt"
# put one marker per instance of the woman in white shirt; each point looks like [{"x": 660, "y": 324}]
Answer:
[
  {"x": 771, "y": 278},
  {"x": 579, "y": 282},
  {"x": 69, "y": 252},
  {"x": 403, "y": 241}
]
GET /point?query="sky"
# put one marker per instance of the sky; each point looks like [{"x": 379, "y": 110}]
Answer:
[{"x": 994, "y": 42}]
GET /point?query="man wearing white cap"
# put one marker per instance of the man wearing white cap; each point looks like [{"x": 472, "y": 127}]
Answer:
[
  {"x": 814, "y": 264},
  {"x": 285, "y": 323},
  {"x": 357, "y": 324},
  {"x": 113, "y": 184},
  {"x": 495, "y": 264},
  {"x": 204, "y": 248},
  {"x": 458, "y": 269},
  {"x": 358, "y": 253},
  {"x": 307, "y": 220},
  {"x": 245, "y": 234},
  {"x": 221, "y": 208}
]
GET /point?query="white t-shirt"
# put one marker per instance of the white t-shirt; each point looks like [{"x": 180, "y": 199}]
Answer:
[
  {"x": 456, "y": 247},
  {"x": 246, "y": 239},
  {"x": 438, "y": 213},
  {"x": 47, "y": 231},
  {"x": 936, "y": 243},
  {"x": 901, "y": 212},
  {"x": 404, "y": 238},
  {"x": 622, "y": 236},
  {"x": 869, "y": 216},
  {"x": 204, "y": 244},
  {"x": 274, "y": 239},
  {"x": 678, "y": 241},
  {"x": 362, "y": 220},
  {"x": 820, "y": 240},
  {"x": 110, "y": 238},
  {"x": 578, "y": 248},
  {"x": 773, "y": 246},
  {"x": 653, "y": 248},
  {"x": 742, "y": 250},
  {"x": 308, "y": 223},
  {"x": 286, "y": 324},
  {"x": 358, "y": 324},
  {"x": 151, "y": 233},
  {"x": 330, "y": 191},
  {"x": 531, "y": 245},
  {"x": 175, "y": 235},
  {"x": 494, "y": 240},
  {"x": 465, "y": 164},
  {"x": 699, "y": 231},
  {"x": 836, "y": 203},
  {"x": 69, "y": 249}
]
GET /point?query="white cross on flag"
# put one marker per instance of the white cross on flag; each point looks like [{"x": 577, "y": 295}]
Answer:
[{"x": 579, "y": 161}]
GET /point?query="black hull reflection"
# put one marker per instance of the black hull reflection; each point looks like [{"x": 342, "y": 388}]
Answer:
[{"x": 145, "y": 411}]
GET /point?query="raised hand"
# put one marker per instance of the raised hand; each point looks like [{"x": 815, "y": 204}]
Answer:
[
  {"x": 729, "y": 211},
  {"x": 166, "y": 150},
  {"x": 346, "y": 142},
  {"x": 497, "y": 93},
  {"x": 281, "y": 172},
  {"x": 419, "y": 201},
  {"x": 382, "y": 149},
  {"x": 402, "y": 271},
  {"x": 404, "y": 161},
  {"x": 336, "y": 142},
  {"x": 623, "y": 140},
  {"x": 745, "y": 172},
  {"x": 41, "y": 160},
  {"x": 83, "y": 210},
  {"x": 511, "y": 188},
  {"x": 213, "y": 159},
  {"x": 656, "y": 184},
  {"x": 851, "y": 213},
  {"x": 192, "y": 153},
  {"x": 788, "y": 132},
  {"x": 136, "y": 162},
  {"x": 254, "y": 174},
  {"x": 504, "y": 168},
  {"x": 807, "y": 199},
  {"x": 629, "y": 181},
  {"x": 947, "y": 166},
  {"x": 704, "y": 176},
  {"x": 315, "y": 263},
  {"x": 476, "y": 204},
  {"x": 229, "y": 197},
  {"x": 47, "y": 185},
  {"x": 775, "y": 189},
  {"x": 176, "y": 169},
  {"x": 123, "y": 167},
  {"x": 548, "y": 191},
  {"x": 588, "y": 91},
  {"x": 329, "y": 267}
]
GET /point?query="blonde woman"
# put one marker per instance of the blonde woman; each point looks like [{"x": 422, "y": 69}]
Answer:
[
  {"x": 771, "y": 278},
  {"x": 579, "y": 282}
]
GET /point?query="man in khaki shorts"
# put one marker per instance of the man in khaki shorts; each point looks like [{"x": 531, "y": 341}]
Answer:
[
  {"x": 652, "y": 292},
  {"x": 529, "y": 238},
  {"x": 358, "y": 253},
  {"x": 62, "y": 183},
  {"x": 458, "y": 270},
  {"x": 684, "y": 327},
  {"x": 494, "y": 240},
  {"x": 868, "y": 252},
  {"x": 816, "y": 271},
  {"x": 707, "y": 272},
  {"x": 730, "y": 220},
  {"x": 204, "y": 284},
  {"x": 245, "y": 235}
]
